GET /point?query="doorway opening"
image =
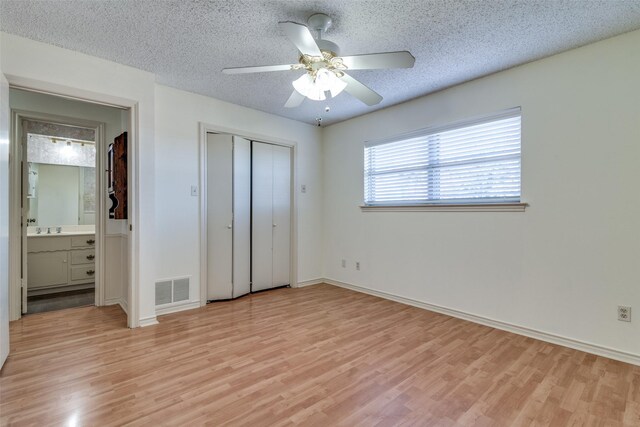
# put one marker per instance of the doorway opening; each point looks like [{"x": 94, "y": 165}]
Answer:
[
  {"x": 66, "y": 248},
  {"x": 59, "y": 204}
]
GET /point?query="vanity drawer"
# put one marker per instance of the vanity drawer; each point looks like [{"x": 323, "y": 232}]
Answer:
[
  {"x": 45, "y": 244},
  {"x": 84, "y": 272},
  {"x": 85, "y": 256},
  {"x": 88, "y": 240}
]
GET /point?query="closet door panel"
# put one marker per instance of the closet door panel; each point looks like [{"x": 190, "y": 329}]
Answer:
[
  {"x": 261, "y": 223},
  {"x": 281, "y": 215},
  {"x": 241, "y": 216},
  {"x": 219, "y": 216}
]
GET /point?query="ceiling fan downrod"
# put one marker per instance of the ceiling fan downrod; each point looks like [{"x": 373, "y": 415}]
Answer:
[{"x": 320, "y": 23}]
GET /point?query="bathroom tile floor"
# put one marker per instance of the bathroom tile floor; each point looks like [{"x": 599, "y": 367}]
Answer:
[{"x": 59, "y": 301}]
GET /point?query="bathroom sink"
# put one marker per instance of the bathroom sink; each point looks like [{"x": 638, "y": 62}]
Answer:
[{"x": 63, "y": 233}]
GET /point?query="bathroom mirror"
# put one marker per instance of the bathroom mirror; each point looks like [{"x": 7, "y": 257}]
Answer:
[
  {"x": 61, "y": 180},
  {"x": 61, "y": 195}
]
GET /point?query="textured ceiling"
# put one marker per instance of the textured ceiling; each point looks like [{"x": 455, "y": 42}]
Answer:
[{"x": 187, "y": 42}]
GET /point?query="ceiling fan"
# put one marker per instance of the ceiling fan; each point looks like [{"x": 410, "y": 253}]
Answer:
[{"x": 325, "y": 70}]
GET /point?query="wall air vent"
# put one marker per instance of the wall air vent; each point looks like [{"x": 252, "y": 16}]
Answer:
[
  {"x": 172, "y": 290},
  {"x": 181, "y": 290},
  {"x": 163, "y": 292}
]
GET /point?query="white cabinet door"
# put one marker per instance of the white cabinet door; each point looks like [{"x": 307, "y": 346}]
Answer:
[
  {"x": 262, "y": 211},
  {"x": 241, "y": 217},
  {"x": 47, "y": 269},
  {"x": 219, "y": 216},
  {"x": 271, "y": 216},
  {"x": 281, "y": 215}
]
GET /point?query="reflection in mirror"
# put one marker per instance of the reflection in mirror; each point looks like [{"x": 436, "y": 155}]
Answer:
[{"x": 61, "y": 177}]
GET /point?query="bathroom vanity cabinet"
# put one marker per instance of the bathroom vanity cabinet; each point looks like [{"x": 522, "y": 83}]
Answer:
[{"x": 60, "y": 262}]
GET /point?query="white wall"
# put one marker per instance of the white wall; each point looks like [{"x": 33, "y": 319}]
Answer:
[
  {"x": 178, "y": 115},
  {"x": 52, "y": 69},
  {"x": 561, "y": 267}
]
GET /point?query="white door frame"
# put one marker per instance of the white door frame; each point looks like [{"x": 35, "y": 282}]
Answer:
[
  {"x": 18, "y": 146},
  {"x": 202, "y": 172},
  {"x": 133, "y": 317}
]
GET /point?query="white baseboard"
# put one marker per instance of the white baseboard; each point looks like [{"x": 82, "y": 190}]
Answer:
[
  {"x": 124, "y": 305},
  {"x": 112, "y": 301},
  {"x": 509, "y": 327},
  {"x": 118, "y": 301},
  {"x": 177, "y": 307},
  {"x": 309, "y": 283},
  {"x": 148, "y": 321}
]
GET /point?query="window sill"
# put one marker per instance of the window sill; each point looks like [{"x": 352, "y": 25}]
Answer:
[{"x": 468, "y": 207}]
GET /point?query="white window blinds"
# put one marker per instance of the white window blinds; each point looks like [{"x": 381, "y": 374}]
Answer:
[{"x": 472, "y": 162}]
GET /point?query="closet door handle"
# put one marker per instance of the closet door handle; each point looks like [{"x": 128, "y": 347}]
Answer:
[
  {"x": 275, "y": 225},
  {"x": 229, "y": 226}
]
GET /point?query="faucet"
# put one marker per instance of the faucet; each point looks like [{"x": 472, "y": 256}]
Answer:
[
  {"x": 38, "y": 230},
  {"x": 48, "y": 230},
  {"x": 58, "y": 230}
]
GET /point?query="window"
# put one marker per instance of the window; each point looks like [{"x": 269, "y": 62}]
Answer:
[{"x": 476, "y": 162}]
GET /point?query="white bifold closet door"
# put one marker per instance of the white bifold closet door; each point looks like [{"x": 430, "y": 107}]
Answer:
[
  {"x": 228, "y": 216},
  {"x": 271, "y": 216}
]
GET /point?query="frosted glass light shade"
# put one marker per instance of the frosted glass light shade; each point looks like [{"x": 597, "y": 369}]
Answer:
[
  {"x": 316, "y": 94},
  {"x": 303, "y": 84},
  {"x": 328, "y": 81},
  {"x": 337, "y": 86},
  {"x": 315, "y": 89}
]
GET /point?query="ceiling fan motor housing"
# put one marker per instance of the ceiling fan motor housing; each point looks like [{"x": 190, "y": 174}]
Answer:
[{"x": 329, "y": 46}]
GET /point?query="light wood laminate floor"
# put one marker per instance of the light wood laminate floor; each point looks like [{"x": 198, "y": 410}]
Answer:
[{"x": 319, "y": 355}]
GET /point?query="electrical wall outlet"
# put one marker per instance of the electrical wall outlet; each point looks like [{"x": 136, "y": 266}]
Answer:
[
  {"x": 624, "y": 313},
  {"x": 344, "y": 263},
  {"x": 357, "y": 265}
]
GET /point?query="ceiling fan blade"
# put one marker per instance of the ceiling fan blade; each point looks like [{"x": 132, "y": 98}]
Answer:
[
  {"x": 360, "y": 91},
  {"x": 376, "y": 61},
  {"x": 301, "y": 37},
  {"x": 294, "y": 100},
  {"x": 258, "y": 69}
]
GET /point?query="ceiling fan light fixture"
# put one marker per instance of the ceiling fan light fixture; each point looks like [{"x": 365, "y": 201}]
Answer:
[
  {"x": 335, "y": 91},
  {"x": 328, "y": 81},
  {"x": 303, "y": 84},
  {"x": 306, "y": 86},
  {"x": 315, "y": 86},
  {"x": 316, "y": 94}
]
